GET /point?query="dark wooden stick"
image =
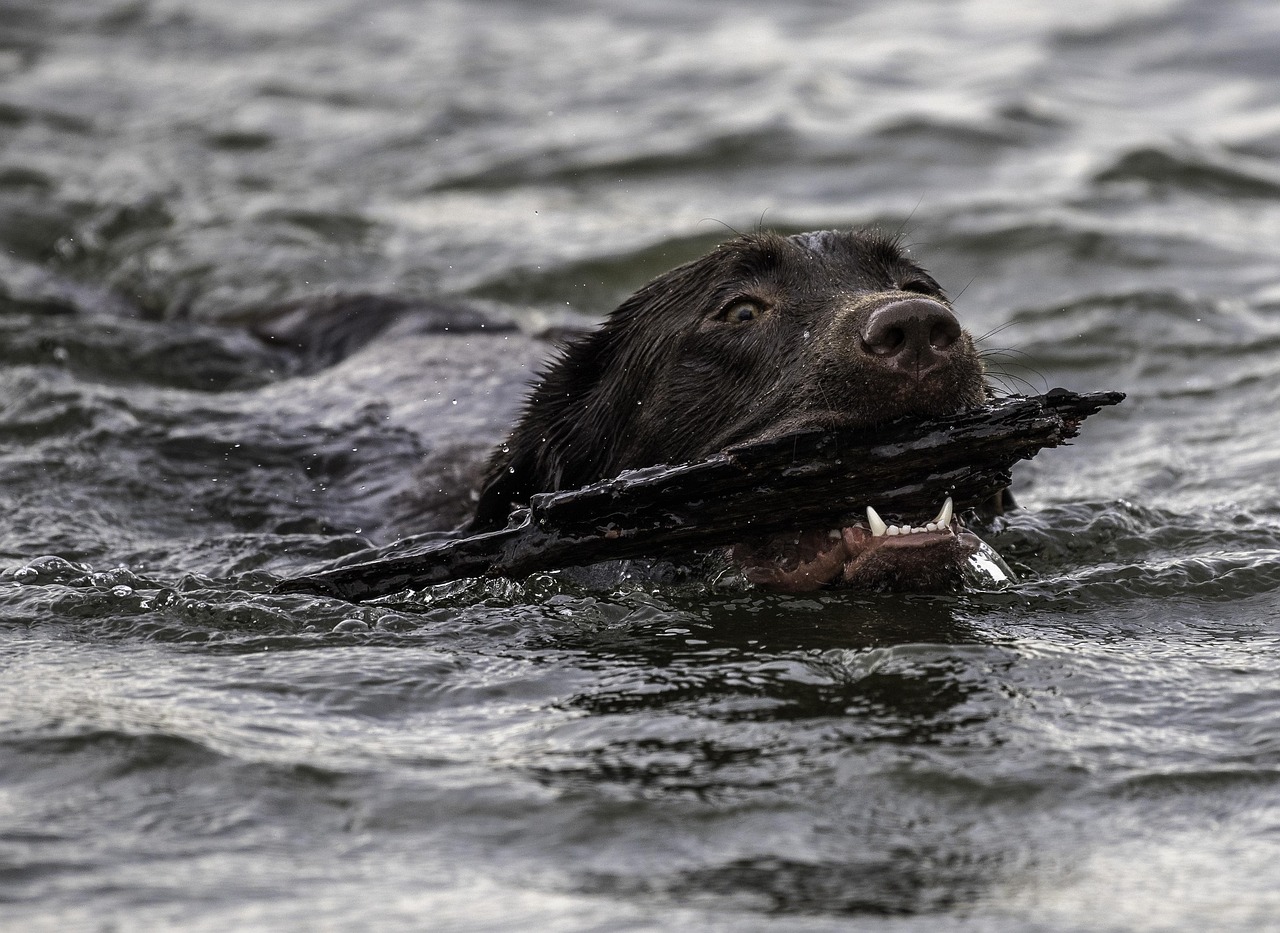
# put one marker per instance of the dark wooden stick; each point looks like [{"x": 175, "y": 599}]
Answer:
[{"x": 810, "y": 479}]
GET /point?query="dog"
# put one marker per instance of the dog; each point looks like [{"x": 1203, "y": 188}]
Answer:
[{"x": 763, "y": 336}]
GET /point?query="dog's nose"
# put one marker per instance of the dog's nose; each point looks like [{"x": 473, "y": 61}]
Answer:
[{"x": 912, "y": 335}]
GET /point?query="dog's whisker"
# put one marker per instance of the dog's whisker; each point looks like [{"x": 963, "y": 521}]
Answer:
[{"x": 995, "y": 330}]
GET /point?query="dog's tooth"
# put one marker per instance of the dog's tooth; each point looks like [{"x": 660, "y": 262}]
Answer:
[
  {"x": 878, "y": 527},
  {"x": 944, "y": 514},
  {"x": 834, "y": 534},
  {"x": 893, "y": 530}
]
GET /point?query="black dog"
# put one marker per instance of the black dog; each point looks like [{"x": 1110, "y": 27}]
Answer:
[{"x": 763, "y": 336}]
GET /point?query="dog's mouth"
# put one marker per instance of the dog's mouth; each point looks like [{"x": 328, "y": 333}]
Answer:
[{"x": 876, "y": 556}]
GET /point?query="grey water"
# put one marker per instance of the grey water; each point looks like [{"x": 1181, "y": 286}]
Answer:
[{"x": 1096, "y": 747}]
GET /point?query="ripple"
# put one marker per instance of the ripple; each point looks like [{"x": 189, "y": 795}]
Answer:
[
  {"x": 1194, "y": 171},
  {"x": 599, "y": 282},
  {"x": 713, "y": 153},
  {"x": 183, "y": 423},
  {"x": 1210, "y": 578}
]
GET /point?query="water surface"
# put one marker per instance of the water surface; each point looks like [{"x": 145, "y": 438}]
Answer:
[{"x": 1094, "y": 748}]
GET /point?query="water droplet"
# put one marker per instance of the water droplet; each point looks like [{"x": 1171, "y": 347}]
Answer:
[
  {"x": 164, "y": 597},
  {"x": 52, "y": 569},
  {"x": 394, "y": 624}
]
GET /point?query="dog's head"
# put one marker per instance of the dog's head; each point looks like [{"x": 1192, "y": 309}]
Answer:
[{"x": 763, "y": 336}]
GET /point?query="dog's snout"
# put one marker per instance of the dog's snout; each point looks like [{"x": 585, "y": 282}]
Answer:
[{"x": 912, "y": 335}]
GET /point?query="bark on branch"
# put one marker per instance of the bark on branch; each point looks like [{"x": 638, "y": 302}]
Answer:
[{"x": 810, "y": 479}]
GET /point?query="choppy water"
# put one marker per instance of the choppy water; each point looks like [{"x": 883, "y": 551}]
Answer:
[{"x": 1096, "y": 748}]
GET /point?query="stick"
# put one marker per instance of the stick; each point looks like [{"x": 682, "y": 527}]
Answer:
[{"x": 809, "y": 479}]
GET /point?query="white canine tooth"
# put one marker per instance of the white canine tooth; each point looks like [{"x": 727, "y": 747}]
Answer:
[
  {"x": 944, "y": 514},
  {"x": 834, "y": 534},
  {"x": 878, "y": 527}
]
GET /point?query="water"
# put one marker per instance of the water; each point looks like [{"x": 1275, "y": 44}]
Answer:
[{"x": 1094, "y": 748}]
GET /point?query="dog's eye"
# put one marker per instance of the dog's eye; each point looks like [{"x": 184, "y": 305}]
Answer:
[
  {"x": 741, "y": 311},
  {"x": 919, "y": 286}
]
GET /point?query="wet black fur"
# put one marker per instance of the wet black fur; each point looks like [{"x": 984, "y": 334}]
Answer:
[{"x": 671, "y": 376}]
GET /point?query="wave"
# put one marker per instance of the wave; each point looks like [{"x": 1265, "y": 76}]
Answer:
[{"x": 1192, "y": 170}]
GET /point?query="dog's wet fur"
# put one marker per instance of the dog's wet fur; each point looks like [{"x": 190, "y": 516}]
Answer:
[{"x": 764, "y": 335}]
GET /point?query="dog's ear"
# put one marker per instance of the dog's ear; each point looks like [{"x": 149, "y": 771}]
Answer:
[
  {"x": 580, "y": 417},
  {"x": 561, "y": 440}
]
